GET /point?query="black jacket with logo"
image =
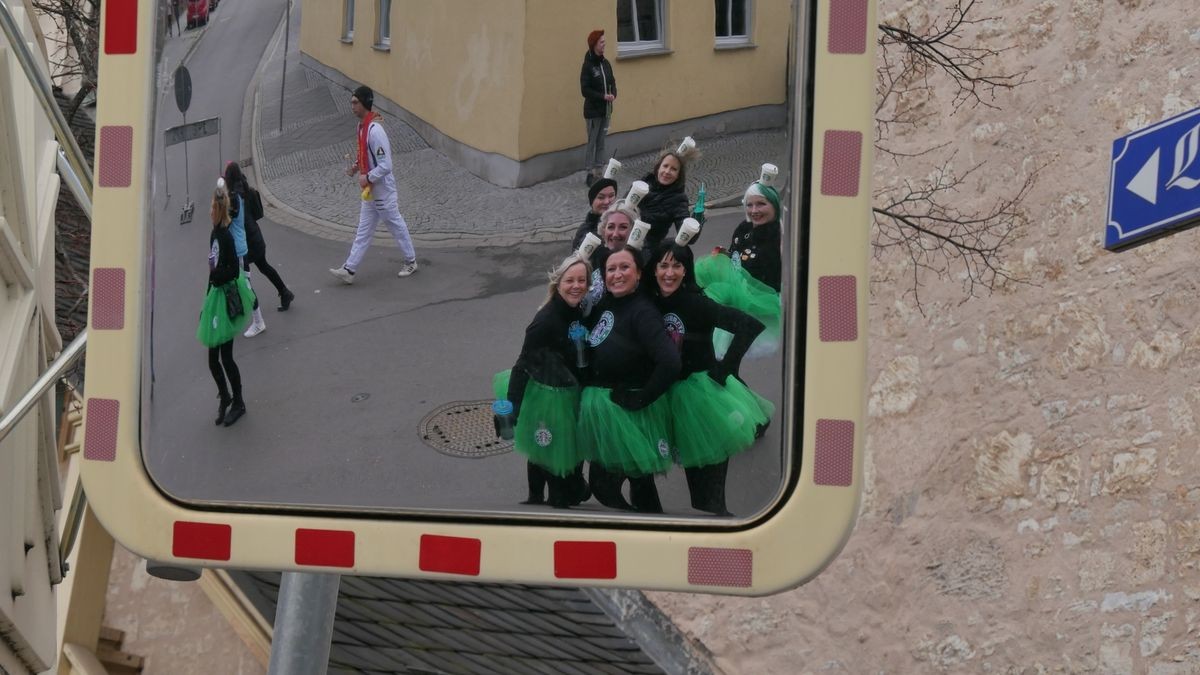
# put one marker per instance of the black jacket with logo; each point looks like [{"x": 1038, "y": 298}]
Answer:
[
  {"x": 690, "y": 318},
  {"x": 595, "y": 80},
  {"x": 548, "y": 353},
  {"x": 631, "y": 352},
  {"x": 661, "y": 208},
  {"x": 758, "y": 249}
]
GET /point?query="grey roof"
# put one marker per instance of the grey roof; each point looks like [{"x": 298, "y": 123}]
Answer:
[{"x": 389, "y": 626}]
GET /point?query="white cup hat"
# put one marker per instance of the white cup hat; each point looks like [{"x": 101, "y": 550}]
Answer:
[
  {"x": 687, "y": 231},
  {"x": 637, "y": 190},
  {"x": 637, "y": 235},
  {"x": 686, "y": 146},
  {"x": 769, "y": 172},
  {"x": 613, "y": 167},
  {"x": 589, "y": 245}
]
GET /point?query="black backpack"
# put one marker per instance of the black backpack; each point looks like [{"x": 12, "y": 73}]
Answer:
[{"x": 254, "y": 205}]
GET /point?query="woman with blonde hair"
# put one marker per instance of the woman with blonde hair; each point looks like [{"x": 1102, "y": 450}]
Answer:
[
  {"x": 543, "y": 386},
  {"x": 226, "y": 310}
]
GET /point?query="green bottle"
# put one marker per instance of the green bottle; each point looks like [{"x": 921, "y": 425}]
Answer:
[{"x": 700, "y": 200}]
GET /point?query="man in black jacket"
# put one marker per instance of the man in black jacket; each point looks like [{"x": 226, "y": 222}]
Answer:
[{"x": 599, "y": 89}]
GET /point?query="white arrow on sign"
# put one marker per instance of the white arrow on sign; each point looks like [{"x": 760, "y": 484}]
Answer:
[{"x": 1145, "y": 183}]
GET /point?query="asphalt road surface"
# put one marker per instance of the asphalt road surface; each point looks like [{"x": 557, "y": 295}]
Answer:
[{"x": 336, "y": 388}]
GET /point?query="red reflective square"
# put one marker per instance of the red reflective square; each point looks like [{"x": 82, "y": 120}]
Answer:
[
  {"x": 207, "y": 541},
  {"x": 327, "y": 548},
  {"x": 450, "y": 555},
  {"x": 585, "y": 560},
  {"x": 120, "y": 26}
]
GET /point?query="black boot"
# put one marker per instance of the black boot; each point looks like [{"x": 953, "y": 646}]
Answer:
[
  {"x": 235, "y": 413},
  {"x": 706, "y": 485},
  {"x": 577, "y": 487},
  {"x": 222, "y": 407},
  {"x": 560, "y": 491},
  {"x": 285, "y": 300},
  {"x": 536, "y": 477},
  {"x": 643, "y": 493},
  {"x": 606, "y": 487}
]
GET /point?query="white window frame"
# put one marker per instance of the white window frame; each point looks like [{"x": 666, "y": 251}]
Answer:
[
  {"x": 347, "y": 20},
  {"x": 383, "y": 24},
  {"x": 734, "y": 40},
  {"x": 639, "y": 46}
]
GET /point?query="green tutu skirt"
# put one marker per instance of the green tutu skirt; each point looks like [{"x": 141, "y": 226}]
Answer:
[
  {"x": 545, "y": 431},
  {"x": 216, "y": 326},
  {"x": 731, "y": 285},
  {"x": 632, "y": 442},
  {"x": 712, "y": 423}
]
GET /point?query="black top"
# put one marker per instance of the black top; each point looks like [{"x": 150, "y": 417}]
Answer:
[
  {"x": 662, "y": 207},
  {"x": 758, "y": 249},
  {"x": 590, "y": 223},
  {"x": 595, "y": 80},
  {"x": 548, "y": 353},
  {"x": 631, "y": 352},
  {"x": 690, "y": 317},
  {"x": 225, "y": 269}
]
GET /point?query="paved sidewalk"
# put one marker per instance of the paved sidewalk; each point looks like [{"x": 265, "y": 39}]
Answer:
[{"x": 301, "y": 168}]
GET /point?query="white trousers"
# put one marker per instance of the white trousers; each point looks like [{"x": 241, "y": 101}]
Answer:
[{"x": 369, "y": 215}]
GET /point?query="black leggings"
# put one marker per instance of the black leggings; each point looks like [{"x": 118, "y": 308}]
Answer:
[
  {"x": 258, "y": 256},
  {"x": 223, "y": 355}
]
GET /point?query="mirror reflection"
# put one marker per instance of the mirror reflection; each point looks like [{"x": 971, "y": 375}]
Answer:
[{"x": 472, "y": 258}]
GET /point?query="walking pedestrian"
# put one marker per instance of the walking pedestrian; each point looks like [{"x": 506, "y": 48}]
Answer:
[
  {"x": 373, "y": 166},
  {"x": 256, "y": 245},
  {"x": 599, "y": 90},
  {"x": 225, "y": 311}
]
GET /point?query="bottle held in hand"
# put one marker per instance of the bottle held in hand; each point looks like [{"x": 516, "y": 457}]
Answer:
[{"x": 503, "y": 418}]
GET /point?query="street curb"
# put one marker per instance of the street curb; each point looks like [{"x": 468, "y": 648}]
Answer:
[{"x": 279, "y": 212}]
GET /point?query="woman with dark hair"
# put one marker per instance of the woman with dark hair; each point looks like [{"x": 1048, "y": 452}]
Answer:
[
  {"x": 225, "y": 310},
  {"x": 601, "y": 195},
  {"x": 624, "y": 426},
  {"x": 713, "y": 415},
  {"x": 248, "y": 206},
  {"x": 666, "y": 205},
  {"x": 749, "y": 275},
  {"x": 543, "y": 386}
]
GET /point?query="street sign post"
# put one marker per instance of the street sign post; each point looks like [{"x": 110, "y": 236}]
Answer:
[{"x": 1154, "y": 184}]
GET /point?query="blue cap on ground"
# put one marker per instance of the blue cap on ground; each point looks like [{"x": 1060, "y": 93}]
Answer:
[{"x": 502, "y": 407}]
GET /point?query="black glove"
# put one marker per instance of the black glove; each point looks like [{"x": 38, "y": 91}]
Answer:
[{"x": 628, "y": 399}]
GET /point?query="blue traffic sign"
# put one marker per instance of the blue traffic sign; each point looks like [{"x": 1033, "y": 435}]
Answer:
[{"x": 1154, "y": 182}]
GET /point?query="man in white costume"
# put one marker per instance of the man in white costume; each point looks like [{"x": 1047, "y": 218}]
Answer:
[{"x": 373, "y": 166}]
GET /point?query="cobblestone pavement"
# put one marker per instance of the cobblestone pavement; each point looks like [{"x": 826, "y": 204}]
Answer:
[{"x": 301, "y": 167}]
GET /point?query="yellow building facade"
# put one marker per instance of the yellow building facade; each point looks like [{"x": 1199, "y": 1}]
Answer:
[{"x": 494, "y": 84}]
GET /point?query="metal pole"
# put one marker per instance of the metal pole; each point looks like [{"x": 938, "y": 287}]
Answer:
[
  {"x": 287, "y": 30},
  {"x": 304, "y": 624},
  {"x": 45, "y": 95},
  {"x": 59, "y": 366}
]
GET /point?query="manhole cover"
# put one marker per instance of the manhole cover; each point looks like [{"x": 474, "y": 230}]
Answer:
[{"x": 463, "y": 429}]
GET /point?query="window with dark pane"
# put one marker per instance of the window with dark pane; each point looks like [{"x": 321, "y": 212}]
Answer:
[
  {"x": 626, "y": 30},
  {"x": 647, "y": 19}
]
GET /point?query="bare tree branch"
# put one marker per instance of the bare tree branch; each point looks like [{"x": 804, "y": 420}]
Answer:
[{"x": 920, "y": 219}]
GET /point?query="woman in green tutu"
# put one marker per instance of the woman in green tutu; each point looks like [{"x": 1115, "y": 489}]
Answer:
[
  {"x": 544, "y": 389},
  {"x": 226, "y": 310},
  {"x": 749, "y": 275},
  {"x": 624, "y": 423},
  {"x": 713, "y": 415}
]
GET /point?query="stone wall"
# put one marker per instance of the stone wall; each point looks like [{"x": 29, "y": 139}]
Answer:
[{"x": 1032, "y": 500}]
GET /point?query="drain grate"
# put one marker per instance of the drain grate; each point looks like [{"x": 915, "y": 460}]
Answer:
[{"x": 463, "y": 429}]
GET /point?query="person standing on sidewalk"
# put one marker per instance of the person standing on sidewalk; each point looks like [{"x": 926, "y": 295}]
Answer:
[
  {"x": 599, "y": 90},
  {"x": 373, "y": 166}
]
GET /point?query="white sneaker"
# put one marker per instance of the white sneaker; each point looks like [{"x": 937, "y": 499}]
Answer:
[
  {"x": 342, "y": 273},
  {"x": 254, "y": 329},
  {"x": 407, "y": 269}
]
